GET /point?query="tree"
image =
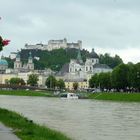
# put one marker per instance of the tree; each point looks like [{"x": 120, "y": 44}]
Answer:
[
  {"x": 75, "y": 86},
  {"x": 32, "y": 80},
  {"x": 51, "y": 82},
  {"x": 110, "y": 61},
  {"x": 94, "y": 82},
  {"x": 120, "y": 77},
  {"x": 136, "y": 78},
  {"x": 17, "y": 81},
  {"x": 60, "y": 84},
  {"x": 104, "y": 80}
]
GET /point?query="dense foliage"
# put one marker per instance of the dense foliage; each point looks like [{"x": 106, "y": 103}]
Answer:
[
  {"x": 124, "y": 77},
  {"x": 75, "y": 86},
  {"x": 32, "y": 80},
  {"x": 110, "y": 61},
  {"x": 52, "y": 83},
  {"x": 17, "y": 81}
]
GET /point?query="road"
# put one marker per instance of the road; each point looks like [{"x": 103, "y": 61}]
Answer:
[{"x": 6, "y": 133}]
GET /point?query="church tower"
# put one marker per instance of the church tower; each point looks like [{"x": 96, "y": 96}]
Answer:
[
  {"x": 30, "y": 64},
  {"x": 79, "y": 57},
  {"x": 18, "y": 63}
]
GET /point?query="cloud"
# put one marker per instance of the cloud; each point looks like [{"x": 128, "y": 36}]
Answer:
[{"x": 108, "y": 24}]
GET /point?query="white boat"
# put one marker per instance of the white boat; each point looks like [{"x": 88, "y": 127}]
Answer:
[{"x": 69, "y": 96}]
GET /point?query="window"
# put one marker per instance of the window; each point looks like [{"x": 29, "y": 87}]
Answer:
[{"x": 90, "y": 68}]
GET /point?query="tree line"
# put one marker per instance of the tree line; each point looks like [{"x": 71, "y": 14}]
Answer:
[
  {"x": 125, "y": 77},
  {"x": 33, "y": 79}
]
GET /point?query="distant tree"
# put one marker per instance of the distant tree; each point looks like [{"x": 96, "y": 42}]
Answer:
[
  {"x": 119, "y": 77},
  {"x": 51, "y": 82},
  {"x": 94, "y": 81},
  {"x": 17, "y": 81},
  {"x": 75, "y": 86},
  {"x": 136, "y": 73},
  {"x": 32, "y": 80},
  {"x": 104, "y": 80},
  {"x": 60, "y": 84},
  {"x": 10, "y": 62},
  {"x": 110, "y": 61}
]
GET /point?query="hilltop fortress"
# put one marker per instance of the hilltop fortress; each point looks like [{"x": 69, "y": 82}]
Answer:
[{"x": 55, "y": 44}]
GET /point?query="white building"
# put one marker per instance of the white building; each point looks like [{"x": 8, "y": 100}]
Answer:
[
  {"x": 13, "y": 55},
  {"x": 18, "y": 66},
  {"x": 55, "y": 44},
  {"x": 77, "y": 69}
]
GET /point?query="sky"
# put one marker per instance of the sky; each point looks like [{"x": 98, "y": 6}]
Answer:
[{"x": 108, "y": 26}]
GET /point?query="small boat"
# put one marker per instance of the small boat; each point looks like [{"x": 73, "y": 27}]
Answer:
[{"x": 69, "y": 96}]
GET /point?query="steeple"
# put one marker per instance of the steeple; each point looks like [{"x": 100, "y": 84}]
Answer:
[
  {"x": 30, "y": 64},
  {"x": 18, "y": 57},
  {"x": 79, "y": 57},
  {"x": 30, "y": 59},
  {"x": 17, "y": 63}
]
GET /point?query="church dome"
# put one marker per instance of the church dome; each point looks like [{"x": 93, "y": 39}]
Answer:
[
  {"x": 3, "y": 62},
  {"x": 94, "y": 54}
]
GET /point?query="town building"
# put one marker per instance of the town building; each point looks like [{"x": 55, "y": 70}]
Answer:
[
  {"x": 23, "y": 71},
  {"x": 77, "y": 69},
  {"x": 18, "y": 66},
  {"x": 82, "y": 83}
]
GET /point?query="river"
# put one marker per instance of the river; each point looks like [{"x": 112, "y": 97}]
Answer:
[{"x": 80, "y": 119}]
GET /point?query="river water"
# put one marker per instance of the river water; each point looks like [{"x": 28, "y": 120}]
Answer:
[{"x": 80, "y": 119}]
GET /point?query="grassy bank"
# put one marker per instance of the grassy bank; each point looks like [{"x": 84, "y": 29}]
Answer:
[
  {"x": 27, "y": 130},
  {"x": 116, "y": 96},
  {"x": 26, "y": 93}
]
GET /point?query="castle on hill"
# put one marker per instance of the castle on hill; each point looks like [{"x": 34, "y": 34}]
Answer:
[{"x": 55, "y": 44}]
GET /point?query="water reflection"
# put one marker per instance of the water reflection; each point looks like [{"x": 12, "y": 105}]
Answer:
[{"x": 80, "y": 119}]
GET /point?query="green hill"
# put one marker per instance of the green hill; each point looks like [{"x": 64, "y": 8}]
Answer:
[{"x": 55, "y": 59}]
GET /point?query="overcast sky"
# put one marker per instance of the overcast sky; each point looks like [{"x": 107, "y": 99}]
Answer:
[{"x": 111, "y": 26}]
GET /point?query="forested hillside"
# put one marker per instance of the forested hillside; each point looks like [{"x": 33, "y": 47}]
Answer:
[{"x": 55, "y": 59}]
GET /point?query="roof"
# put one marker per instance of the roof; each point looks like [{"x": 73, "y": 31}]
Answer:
[
  {"x": 3, "y": 62},
  {"x": 76, "y": 80},
  {"x": 30, "y": 55},
  {"x": 64, "y": 69},
  {"x": 102, "y": 66},
  {"x": 94, "y": 54},
  {"x": 79, "y": 57}
]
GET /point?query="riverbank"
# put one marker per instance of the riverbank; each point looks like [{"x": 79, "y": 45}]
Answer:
[
  {"x": 27, "y": 93},
  {"x": 129, "y": 97},
  {"x": 26, "y": 129}
]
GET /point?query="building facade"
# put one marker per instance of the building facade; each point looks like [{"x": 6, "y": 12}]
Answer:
[
  {"x": 55, "y": 44},
  {"x": 18, "y": 66},
  {"x": 77, "y": 69}
]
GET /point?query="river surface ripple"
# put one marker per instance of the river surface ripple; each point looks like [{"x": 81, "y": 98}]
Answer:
[{"x": 80, "y": 119}]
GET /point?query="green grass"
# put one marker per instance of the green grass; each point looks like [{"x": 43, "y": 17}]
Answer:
[
  {"x": 116, "y": 96},
  {"x": 26, "y": 129},
  {"x": 26, "y": 93}
]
